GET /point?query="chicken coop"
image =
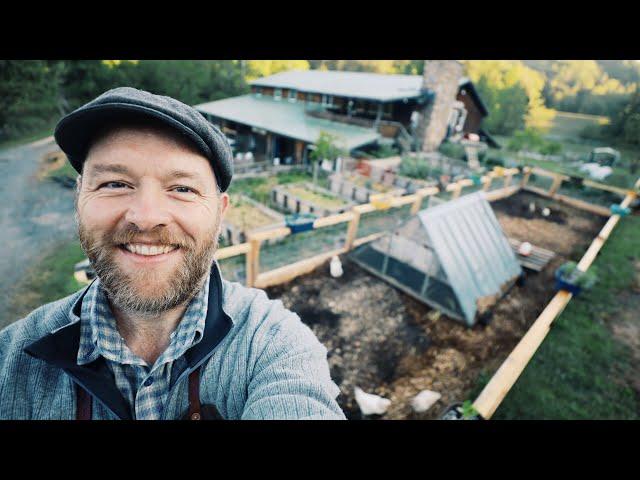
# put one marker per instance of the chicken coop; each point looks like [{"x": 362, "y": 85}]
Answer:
[{"x": 453, "y": 257}]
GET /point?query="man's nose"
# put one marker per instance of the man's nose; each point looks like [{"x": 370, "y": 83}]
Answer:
[{"x": 147, "y": 210}]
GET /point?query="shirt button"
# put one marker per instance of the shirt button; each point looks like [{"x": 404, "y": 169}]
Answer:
[{"x": 148, "y": 381}]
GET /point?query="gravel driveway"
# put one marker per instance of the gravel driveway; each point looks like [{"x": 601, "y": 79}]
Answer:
[{"x": 35, "y": 215}]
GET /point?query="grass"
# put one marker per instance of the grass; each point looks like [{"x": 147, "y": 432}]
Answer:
[
  {"x": 579, "y": 370},
  {"x": 569, "y": 125},
  {"x": 315, "y": 197},
  {"x": 259, "y": 188},
  {"x": 49, "y": 279}
]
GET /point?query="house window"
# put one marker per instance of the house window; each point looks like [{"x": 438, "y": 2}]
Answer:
[
  {"x": 327, "y": 100},
  {"x": 277, "y": 94},
  {"x": 258, "y": 91},
  {"x": 292, "y": 95}
]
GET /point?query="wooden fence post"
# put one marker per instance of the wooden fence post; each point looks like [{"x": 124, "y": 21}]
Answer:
[
  {"x": 507, "y": 180},
  {"x": 415, "y": 208},
  {"x": 487, "y": 183},
  {"x": 457, "y": 191},
  {"x": 352, "y": 230},
  {"x": 253, "y": 262},
  {"x": 557, "y": 181},
  {"x": 525, "y": 178}
]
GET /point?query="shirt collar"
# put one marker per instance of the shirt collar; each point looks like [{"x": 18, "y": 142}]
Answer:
[{"x": 99, "y": 335}]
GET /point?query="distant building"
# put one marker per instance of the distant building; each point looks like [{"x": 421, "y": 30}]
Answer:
[{"x": 284, "y": 114}]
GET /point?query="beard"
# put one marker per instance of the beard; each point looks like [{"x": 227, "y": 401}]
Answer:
[{"x": 168, "y": 290}]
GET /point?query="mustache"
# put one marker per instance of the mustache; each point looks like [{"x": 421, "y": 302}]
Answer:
[{"x": 158, "y": 235}]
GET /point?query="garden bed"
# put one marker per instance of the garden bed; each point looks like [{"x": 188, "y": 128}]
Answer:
[
  {"x": 246, "y": 215},
  {"x": 359, "y": 188},
  {"x": 308, "y": 198},
  {"x": 387, "y": 343}
]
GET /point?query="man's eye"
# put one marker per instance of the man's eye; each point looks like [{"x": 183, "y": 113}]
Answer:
[
  {"x": 113, "y": 185},
  {"x": 184, "y": 190}
]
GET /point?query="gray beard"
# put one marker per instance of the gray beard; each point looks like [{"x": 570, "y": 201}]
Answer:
[{"x": 185, "y": 282}]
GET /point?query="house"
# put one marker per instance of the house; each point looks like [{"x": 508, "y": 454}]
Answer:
[{"x": 284, "y": 114}]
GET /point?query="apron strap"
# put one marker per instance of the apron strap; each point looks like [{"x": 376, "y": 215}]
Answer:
[
  {"x": 194, "y": 395},
  {"x": 84, "y": 400},
  {"x": 83, "y": 404}
]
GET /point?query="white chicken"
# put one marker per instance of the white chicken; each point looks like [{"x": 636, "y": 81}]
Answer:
[
  {"x": 424, "y": 400},
  {"x": 335, "y": 267},
  {"x": 546, "y": 212},
  {"x": 371, "y": 404}
]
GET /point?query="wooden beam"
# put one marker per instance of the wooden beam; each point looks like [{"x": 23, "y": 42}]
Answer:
[
  {"x": 525, "y": 178},
  {"x": 547, "y": 173},
  {"x": 510, "y": 370},
  {"x": 506, "y": 376},
  {"x": 502, "y": 193},
  {"x": 574, "y": 202},
  {"x": 289, "y": 272},
  {"x": 269, "y": 234},
  {"x": 487, "y": 183},
  {"x": 232, "y": 251},
  {"x": 333, "y": 220},
  {"x": 608, "y": 188},
  {"x": 369, "y": 238}
]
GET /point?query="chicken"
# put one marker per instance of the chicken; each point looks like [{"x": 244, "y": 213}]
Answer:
[
  {"x": 424, "y": 400},
  {"x": 371, "y": 404},
  {"x": 335, "y": 267}
]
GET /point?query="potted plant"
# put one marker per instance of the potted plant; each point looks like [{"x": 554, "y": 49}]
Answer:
[{"x": 570, "y": 278}]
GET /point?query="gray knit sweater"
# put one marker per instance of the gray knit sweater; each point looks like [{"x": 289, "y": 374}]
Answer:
[{"x": 259, "y": 361}]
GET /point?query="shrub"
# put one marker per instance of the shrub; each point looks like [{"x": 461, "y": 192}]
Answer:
[{"x": 453, "y": 150}]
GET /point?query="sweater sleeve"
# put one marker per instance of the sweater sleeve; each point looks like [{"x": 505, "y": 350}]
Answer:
[{"x": 290, "y": 378}]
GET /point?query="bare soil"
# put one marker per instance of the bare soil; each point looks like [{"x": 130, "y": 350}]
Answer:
[{"x": 387, "y": 343}]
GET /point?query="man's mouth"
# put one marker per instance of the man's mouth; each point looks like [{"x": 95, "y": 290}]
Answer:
[{"x": 148, "y": 250}]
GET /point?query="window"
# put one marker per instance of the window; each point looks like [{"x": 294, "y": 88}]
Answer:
[
  {"x": 327, "y": 100},
  {"x": 292, "y": 95},
  {"x": 277, "y": 93},
  {"x": 258, "y": 91}
]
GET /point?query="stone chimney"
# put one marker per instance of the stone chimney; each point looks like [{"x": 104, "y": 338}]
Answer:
[{"x": 441, "y": 77}]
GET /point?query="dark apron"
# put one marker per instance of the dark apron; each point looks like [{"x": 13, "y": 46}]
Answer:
[{"x": 195, "y": 412}]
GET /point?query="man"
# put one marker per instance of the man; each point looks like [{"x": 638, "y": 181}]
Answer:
[{"x": 158, "y": 334}]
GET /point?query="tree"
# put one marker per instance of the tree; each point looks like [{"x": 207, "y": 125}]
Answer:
[
  {"x": 264, "y": 68},
  {"x": 512, "y": 92},
  {"x": 325, "y": 149},
  {"x": 28, "y": 96}
]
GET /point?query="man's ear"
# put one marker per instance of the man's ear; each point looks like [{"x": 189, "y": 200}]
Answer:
[{"x": 224, "y": 201}]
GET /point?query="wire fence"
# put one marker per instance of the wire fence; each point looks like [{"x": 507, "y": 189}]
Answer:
[{"x": 300, "y": 246}]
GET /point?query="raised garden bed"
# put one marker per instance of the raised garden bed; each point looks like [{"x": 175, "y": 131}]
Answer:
[
  {"x": 246, "y": 215},
  {"x": 308, "y": 198},
  {"x": 358, "y": 188}
]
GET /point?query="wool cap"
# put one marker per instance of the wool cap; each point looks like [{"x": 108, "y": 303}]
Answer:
[{"x": 75, "y": 131}]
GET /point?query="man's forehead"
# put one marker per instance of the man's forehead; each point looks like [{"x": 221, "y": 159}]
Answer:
[{"x": 168, "y": 153}]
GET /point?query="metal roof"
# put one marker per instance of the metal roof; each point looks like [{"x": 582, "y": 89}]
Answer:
[
  {"x": 286, "y": 118},
  {"x": 372, "y": 86},
  {"x": 471, "y": 248}
]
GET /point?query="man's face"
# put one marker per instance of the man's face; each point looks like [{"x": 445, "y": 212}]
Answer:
[{"x": 149, "y": 216}]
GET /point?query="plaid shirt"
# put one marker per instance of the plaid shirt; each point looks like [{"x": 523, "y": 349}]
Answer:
[{"x": 144, "y": 387}]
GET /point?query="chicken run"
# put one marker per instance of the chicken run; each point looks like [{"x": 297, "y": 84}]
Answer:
[{"x": 393, "y": 356}]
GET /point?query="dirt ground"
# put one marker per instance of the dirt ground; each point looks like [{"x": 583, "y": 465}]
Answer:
[{"x": 387, "y": 343}]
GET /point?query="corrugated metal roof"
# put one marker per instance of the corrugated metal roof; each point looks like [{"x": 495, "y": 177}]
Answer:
[
  {"x": 471, "y": 247},
  {"x": 286, "y": 118},
  {"x": 373, "y": 86}
]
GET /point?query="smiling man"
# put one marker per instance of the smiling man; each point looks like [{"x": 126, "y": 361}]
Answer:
[{"x": 158, "y": 334}]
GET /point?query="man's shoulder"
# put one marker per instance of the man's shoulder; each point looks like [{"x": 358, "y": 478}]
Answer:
[
  {"x": 251, "y": 305},
  {"x": 253, "y": 312},
  {"x": 39, "y": 322}
]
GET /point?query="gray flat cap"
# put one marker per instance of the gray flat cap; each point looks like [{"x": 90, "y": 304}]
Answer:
[{"x": 75, "y": 131}]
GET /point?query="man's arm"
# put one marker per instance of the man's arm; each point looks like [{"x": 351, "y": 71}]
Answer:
[{"x": 290, "y": 378}]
